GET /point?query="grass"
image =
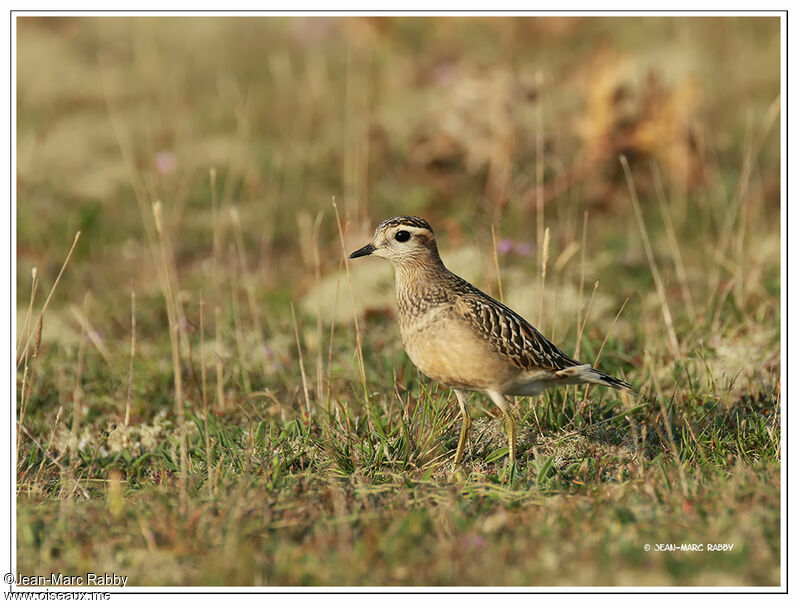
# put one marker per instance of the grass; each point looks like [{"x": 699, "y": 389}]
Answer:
[{"x": 215, "y": 396}]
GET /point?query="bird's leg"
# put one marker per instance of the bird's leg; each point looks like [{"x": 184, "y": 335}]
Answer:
[
  {"x": 511, "y": 425},
  {"x": 466, "y": 423}
]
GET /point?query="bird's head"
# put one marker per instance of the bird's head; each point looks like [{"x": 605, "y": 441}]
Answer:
[{"x": 402, "y": 241}]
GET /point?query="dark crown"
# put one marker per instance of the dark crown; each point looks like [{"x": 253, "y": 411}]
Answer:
[{"x": 408, "y": 221}]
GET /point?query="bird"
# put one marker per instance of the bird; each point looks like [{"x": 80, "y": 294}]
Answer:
[{"x": 464, "y": 339}]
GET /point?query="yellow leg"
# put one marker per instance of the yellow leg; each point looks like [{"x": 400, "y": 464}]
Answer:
[
  {"x": 511, "y": 432},
  {"x": 511, "y": 425},
  {"x": 466, "y": 423}
]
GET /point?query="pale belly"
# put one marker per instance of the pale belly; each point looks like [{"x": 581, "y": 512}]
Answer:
[{"x": 449, "y": 352}]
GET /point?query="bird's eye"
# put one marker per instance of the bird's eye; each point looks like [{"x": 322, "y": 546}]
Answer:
[{"x": 402, "y": 236}]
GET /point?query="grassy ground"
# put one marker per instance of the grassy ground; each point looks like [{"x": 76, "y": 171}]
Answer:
[{"x": 296, "y": 444}]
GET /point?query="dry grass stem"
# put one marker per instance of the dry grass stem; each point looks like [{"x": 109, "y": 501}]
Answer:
[
  {"x": 583, "y": 276},
  {"x": 648, "y": 249},
  {"x": 330, "y": 338},
  {"x": 496, "y": 265},
  {"x": 129, "y": 391},
  {"x": 91, "y": 333},
  {"x": 26, "y": 323},
  {"x": 666, "y": 420},
  {"x": 545, "y": 255},
  {"x": 77, "y": 412},
  {"x": 316, "y": 263},
  {"x": 50, "y": 294},
  {"x": 169, "y": 292},
  {"x": 302, "y": 365},
  {"x": 249, "y": 287},
  {"x": 539, "y": 79},
  {"x": 203, "y": 382},
  {"x": 605, "y": 339},
  {"x": 238, "y": 331},
  {"x": 359, "y": 349},
  {"x": 672, "y": 240},
  {"x": 49, "y": 447},
  {"x": 610, "y": 330},
  {"x": 585, "y": 322},
  {"x": 216, "y": 237}
]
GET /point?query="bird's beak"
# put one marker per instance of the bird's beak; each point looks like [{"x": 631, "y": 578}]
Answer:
[{"x": 364, "y": 251}]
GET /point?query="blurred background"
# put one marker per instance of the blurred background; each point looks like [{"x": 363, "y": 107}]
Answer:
[
  {"x": 493, "y": 129},
  {"x": 467, "y": 121},
  {"x": 506, "y": 135},
  {"x": 478, "y": 124}
]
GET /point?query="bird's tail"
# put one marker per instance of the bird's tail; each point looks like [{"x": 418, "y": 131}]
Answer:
[{"x": 584, "y": 373}]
